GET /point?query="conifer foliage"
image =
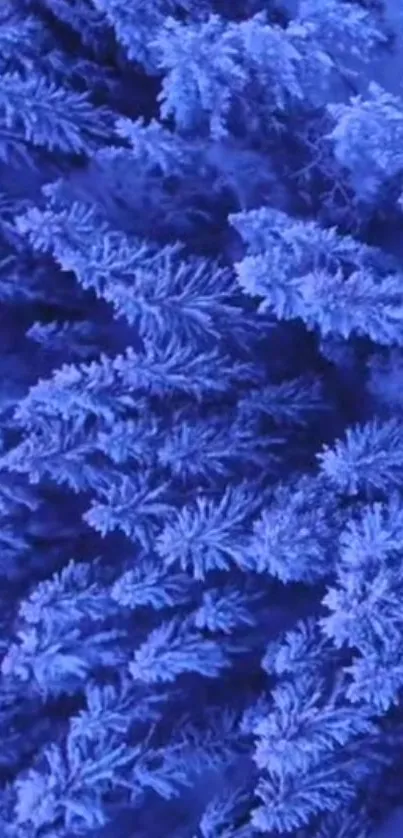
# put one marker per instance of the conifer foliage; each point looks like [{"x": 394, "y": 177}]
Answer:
[{"x": 201, "y": 429}]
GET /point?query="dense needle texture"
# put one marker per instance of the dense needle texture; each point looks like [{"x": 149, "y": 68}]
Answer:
[{"x": 201, "y": 419}]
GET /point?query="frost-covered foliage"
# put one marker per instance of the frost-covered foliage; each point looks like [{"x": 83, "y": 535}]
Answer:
[
  {"x": 201, "y": 430},
  {"x": 365, "y": 605},
  {"x": 335, "y": 284},
  {"x": 137, "y": 25},
  {"x": 341, "y": 27},
  {"x": 217, "y": 69},
  {"x": 369, "y": 459},
  {"x": 313, "y": 752},
  {"x": 367, "y": 139}
]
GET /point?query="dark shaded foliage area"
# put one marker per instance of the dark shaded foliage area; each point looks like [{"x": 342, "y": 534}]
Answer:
[{"x": 201, "y": 420}]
